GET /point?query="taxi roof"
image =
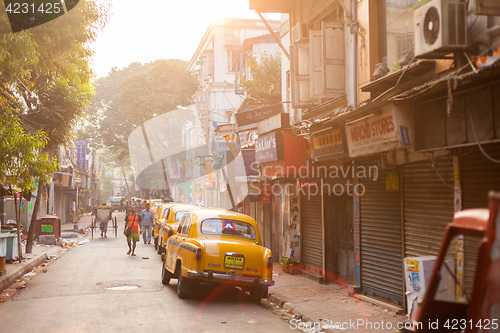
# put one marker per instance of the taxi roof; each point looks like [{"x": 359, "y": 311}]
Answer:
[
  {"x": 179, "y": 206},
  {"x": 206, "y": 213}
]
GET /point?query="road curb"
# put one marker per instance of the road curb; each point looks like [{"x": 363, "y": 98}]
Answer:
[
  {"x": 283, "y": 307},
  {"x": 26, "y": 267}
]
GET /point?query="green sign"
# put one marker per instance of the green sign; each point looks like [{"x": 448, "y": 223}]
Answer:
[
  {"x": 31, "y": 206},
  {"x": 47, "y": 228}
]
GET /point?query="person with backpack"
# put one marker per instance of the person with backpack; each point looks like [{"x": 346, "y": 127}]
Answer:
[{"x": 133, "y": 222}]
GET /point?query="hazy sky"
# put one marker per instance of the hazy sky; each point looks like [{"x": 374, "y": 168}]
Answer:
[{"x": 146, "y": 30}]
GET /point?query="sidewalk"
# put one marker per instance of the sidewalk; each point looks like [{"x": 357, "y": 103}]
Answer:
[
  {"x": 313, "y": 307},
  {"x": 41, "y": 254}
]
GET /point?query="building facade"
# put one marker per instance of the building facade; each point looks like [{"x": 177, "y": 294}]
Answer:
[{"x": 402, "y": 132}]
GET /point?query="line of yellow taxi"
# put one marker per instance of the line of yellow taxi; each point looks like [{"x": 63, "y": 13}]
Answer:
[{"x": 211, "y": 246}]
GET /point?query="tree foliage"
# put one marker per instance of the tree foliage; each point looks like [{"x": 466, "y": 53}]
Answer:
[
  {"x": 20, "y": 157},
  {"x": 263, "y": 82},
  {"x": 128, "y": 97},
  {"x": 44, "y": 88},
  {"x": 45, "y": 74}
]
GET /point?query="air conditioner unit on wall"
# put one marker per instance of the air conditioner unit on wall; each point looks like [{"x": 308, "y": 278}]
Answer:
[
  {"x": 440, "y": 28},
  {"x": 300, "y": 32}
]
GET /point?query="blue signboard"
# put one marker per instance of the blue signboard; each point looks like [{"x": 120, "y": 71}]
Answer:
[
  {"x": 266, "y": 149},
  {"x": 80, "y": 154}
]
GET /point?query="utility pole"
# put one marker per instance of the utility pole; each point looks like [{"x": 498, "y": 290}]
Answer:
[
  {"x": 92, "y": 182},
  {"x": 125, "y": 178}
]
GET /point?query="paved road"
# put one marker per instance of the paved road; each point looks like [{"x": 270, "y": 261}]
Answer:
[{"x": 96, "y": 287}]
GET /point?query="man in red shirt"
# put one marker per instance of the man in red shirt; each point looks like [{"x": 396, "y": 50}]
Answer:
[{"x": 133, "y": 221}]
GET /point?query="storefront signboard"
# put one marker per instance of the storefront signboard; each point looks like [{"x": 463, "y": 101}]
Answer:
[
  {"x": 266, "y": 148},
  {"x": 382, "y": 130},
  {"x": 328, "y": 144}
]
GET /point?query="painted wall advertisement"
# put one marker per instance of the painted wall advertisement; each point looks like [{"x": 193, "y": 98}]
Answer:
[{"x": 379, "y": 131}]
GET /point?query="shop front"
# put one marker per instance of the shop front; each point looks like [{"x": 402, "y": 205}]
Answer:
[
  {"x": 282, "y": 159},
  {"x": 373, "y": 136}
]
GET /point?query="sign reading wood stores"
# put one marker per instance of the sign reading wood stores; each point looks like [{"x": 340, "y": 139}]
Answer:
[{"x": 376, "y": 132}]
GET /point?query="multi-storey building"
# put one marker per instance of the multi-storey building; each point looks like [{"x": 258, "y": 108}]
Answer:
[
  {"x": 397, "y": 99},
  {"x": 216, "y": 101}
]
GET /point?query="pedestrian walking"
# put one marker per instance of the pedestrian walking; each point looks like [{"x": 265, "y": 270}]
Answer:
[
  {"x": 127, "y": 208},
  {"x": 147, "y": 223},
  {"x": 73, "y": 211},
  {"x": 133, "y": 221},
  {"x": 138, "y": 206}
]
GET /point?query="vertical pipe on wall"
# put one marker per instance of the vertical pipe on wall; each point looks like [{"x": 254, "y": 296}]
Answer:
[
  {"x": 354, "y": 11},
  {"x": 323, "y": 229}
]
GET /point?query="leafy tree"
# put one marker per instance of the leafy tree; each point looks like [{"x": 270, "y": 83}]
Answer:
[
  {"x": 45, "y": 78},
  {"x": 264, "y": 81},
  {"x": 131, "y": 96},
  {"x": 22, "y": 162}
]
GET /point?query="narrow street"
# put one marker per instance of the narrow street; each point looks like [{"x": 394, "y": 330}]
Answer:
[{"x": 96, "y": 287}]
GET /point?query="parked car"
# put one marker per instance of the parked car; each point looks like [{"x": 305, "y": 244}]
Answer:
[
  {"x": 171, "y": 215},
  {"x": 117, "y": 203},
  {"x": 154, "y": 204},
  {"x": 218, "y": 246}
]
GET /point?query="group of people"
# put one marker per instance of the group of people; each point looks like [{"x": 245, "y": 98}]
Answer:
[{"x": 139, "y": 218}]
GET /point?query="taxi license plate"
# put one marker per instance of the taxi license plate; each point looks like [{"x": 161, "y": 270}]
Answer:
[{"x": 234, "y": 262}]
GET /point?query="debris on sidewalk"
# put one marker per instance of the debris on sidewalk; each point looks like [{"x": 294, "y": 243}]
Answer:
[{"x": 67, "y": 243}]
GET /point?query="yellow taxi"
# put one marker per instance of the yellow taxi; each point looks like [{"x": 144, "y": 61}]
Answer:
[
  {"x": 154, "y": 204},
  {"x": 171, "y": 214},
  {"x": 218, "y": 246},
  {"x": 160, "y": 216}
]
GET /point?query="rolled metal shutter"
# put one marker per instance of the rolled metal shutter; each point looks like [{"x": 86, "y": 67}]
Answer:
[
  {"x": 479, "y": 175},
  {"x": 267, "y": 225},
  {"x": 312, "y": 231},
  {"x": 252, "y": 210},
  {"x": 381, "y": 240},
  {"x": 428, "y": 205},
  {"x": 260, "y": 219}
]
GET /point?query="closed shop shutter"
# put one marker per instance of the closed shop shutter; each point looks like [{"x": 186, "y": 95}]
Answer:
[
  {"x": 260, "y": 219},
  {"x": 252, "y": 210},
  {"x": 312, "y": 232},
  {"x": 267, "y": 225},
  {"x": 428, "y": 205},
  {"x": 479, "y": 175},
  {"x": 381, "y": 238}
]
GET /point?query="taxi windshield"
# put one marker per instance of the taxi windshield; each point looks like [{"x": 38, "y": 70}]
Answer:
[
  {"x": 178, "y": 216},
  {"x": 225, "y": 227}
]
